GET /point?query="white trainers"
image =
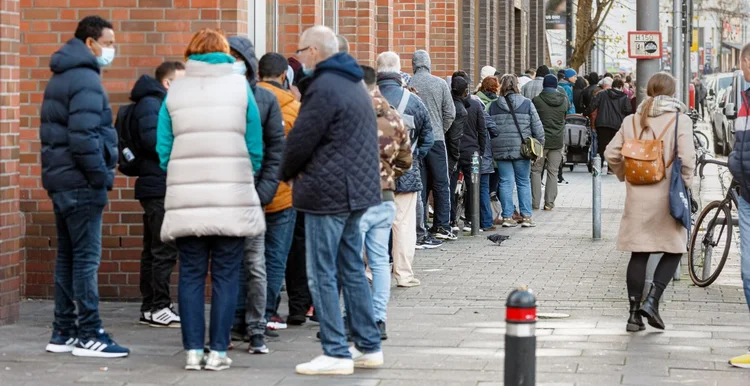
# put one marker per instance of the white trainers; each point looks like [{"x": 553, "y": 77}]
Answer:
[
  {"x": 165, "y": 317},
  {"x": 195, "y": 360},
  {"x": 366, "y": 361},
  {"x": 325, "y": 365},
  {"x": 216, "y": 363}
]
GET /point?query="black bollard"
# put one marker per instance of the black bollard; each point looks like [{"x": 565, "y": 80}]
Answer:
[{"x": 520, "y": 338}]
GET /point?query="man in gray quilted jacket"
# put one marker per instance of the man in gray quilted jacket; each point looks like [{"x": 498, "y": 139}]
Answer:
[{"x": 436, "y": 96}]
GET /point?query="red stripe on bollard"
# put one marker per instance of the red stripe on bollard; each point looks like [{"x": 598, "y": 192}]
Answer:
[{"x": 522, "y": 315}]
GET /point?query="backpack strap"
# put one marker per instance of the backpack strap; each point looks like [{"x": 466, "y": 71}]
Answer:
[
  {"x": 676, "y": 120},
  {"x": 404, "y": 101}
]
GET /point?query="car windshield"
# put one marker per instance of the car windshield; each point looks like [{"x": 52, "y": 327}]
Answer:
[{"x": 724, "y": 82}]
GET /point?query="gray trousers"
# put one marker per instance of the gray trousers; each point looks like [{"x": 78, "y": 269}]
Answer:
[
  {"x": 553, "y": 160},
  {"x": 421, "y": 218},
  {"x": 251, "y": 302}
]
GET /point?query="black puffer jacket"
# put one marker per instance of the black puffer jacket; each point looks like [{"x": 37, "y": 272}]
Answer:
[
  {"x": 332, "y": 153},
  {"x": 148, "y": 95},
  {"x": 267, "y": 179},
  {"x": 79, "y": 144},
  {"x": 613, "y": 106},
  {"x": 456, "y": 132},
  {"x": 475, "y": 132}
]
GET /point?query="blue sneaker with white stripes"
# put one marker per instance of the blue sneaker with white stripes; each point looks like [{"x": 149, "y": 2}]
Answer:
[
  {"x": 61, "y": 342},
  {"x": 100, "y": 346}
]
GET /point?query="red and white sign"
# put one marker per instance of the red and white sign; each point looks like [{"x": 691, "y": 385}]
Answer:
[{"x": 644, "y": 45}]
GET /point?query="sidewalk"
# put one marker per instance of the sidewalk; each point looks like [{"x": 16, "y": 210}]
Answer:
[{"x": 450, "y": 330}]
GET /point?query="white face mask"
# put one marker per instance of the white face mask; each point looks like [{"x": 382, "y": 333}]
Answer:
[
  {"x": 239, "y": 67},
  {"x": 108, "y": 56}
]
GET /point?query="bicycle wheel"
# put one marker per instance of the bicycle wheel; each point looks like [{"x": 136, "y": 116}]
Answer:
[
  {"x": 702, "y": 139},
  {"x": 714, "y": 222}
]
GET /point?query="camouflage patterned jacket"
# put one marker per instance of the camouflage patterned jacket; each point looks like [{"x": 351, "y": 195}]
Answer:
[{"x": 395, "y": 146}]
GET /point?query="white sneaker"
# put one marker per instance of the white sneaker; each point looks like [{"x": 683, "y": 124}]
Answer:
[
  {"x": 325, "y": 365},
  {"x": 165, "y": 317},
  {"x": 366, "y": 361},
  {"x": 216, "y": 363},
  {"x": 195, "y": 360}
]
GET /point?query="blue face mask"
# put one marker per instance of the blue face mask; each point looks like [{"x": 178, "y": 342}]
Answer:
[
  {"x": 239, "y": 67},
  {"x": 307, "y": 71}
]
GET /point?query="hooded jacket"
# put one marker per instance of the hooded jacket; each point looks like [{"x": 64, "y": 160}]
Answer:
[
  {"x": 332, "y": 152},
  {"x": 456, "y": 132},
  {"x": 613, "y": 106},
  {"x": 568, "y": 88},
  {"x": 507, "y": 145},
  {"x": 289, "y": 111},
  {"x": 488, "y": 162},
  {"x": 209, "y": 141},
  {"x": 267, "y": 178},
  {"x": 79, "y": 144},
  {"x": 475, "y": 132},
  {"x": 421, "y": 137},
  {"x": 148, "y": 95},
  {"x": 578, "y": 89},
  {"x": 552, "y": 107},
  {"x": 435, "y": 94}
]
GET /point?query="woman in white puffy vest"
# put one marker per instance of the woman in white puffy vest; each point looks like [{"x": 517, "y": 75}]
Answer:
[{"x": 210, "y": 142}]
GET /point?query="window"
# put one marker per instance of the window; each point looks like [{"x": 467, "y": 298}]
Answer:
[
  {"x": 331, "y": 14},
  {"x": 272, "y": 26},
  {"x": 256, "y": 25}
]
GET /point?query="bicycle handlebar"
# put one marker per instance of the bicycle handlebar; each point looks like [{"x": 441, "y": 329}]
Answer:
[{"x": 703, "y": 161}]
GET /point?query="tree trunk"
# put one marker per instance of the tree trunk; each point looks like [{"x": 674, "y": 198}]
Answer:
[{"x": 586, "y": 28}]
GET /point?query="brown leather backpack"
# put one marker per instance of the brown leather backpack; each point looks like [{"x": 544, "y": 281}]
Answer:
[{"x": 644, "y": 158}]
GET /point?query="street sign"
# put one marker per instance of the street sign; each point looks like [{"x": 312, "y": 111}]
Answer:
[{"x": 644, "y": 45}]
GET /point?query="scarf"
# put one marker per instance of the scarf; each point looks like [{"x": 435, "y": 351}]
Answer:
[{"x": 663, "y": 104}]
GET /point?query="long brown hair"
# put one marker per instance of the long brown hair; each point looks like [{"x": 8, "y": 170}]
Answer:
[{"x": 662, "y": 83}]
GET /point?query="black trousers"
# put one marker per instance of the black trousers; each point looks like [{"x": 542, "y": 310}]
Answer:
[
  {"x": 637, "y": 272},
  {"x": 466, "y": 170},
  {"x": 300, "y": 299},
  {"x": 604, "y": 136},
  {"x": 157, "y": 259}
]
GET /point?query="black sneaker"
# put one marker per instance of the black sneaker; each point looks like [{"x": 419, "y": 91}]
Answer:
[
  {"x": 239, "y": 333},
  {"x": 429, "y": 242},
  {"x": 296, "y": 320},
  {"x": 271, "y": 333},
  {"x": 445, "y": 234},
  {"x": 257, "y": 345},
  {"x": 381, "y": 327}
]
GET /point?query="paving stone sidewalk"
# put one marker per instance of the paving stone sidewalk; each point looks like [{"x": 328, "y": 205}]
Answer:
[{"x": 450, "y": 330}]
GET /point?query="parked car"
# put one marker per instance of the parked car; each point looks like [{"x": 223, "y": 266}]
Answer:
[
  {"x": 718, "y": 91},
  {"x": 734, "y": 102}
]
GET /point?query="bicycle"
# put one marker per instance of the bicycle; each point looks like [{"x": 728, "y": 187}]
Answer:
[
  {"x": 710, "y": 223},
  {"x": 700, "y": 139}
]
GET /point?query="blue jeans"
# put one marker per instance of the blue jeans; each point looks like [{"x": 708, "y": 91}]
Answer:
[
  {"x": 225, "y": 255},
  {"x": 485, "y": 208},
  {"x": 279, "y": 232},
  {"x": 435, "y": 178},
  {"x": 78, "y": 217},
  {"x": 744, "y": 214},
  {"x": 518, "y": 171},
  {"x": 334, "y": 254},
  {"x": 376, "y": 226}
]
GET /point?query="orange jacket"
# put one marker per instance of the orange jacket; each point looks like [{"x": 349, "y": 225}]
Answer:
[{"x": 289, "y": 111}]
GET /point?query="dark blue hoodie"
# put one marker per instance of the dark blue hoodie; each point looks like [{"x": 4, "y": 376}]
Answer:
[
  {"x": 79, "y": 144},
  {"x": 148, "y": 94},
  {"x": 332, "y": 153}
]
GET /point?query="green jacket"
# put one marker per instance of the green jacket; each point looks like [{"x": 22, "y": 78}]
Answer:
[{"x": 552, "y": 107}]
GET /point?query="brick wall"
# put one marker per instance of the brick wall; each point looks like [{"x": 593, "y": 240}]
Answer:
[
  {"x": 468, "y": 37},
  {"x": 357, "y": 23},
  {"x": 411, "y": 29},
  {"x": 147, "y": 32},
  {"x": 537, "y": 33},
  {"x": 10, "y": 216},
  {"x": 444, "y": 16},
  {"x": 383, "y": 22}
]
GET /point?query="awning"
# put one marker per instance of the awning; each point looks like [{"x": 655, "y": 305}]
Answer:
[{"x": 735, "y": 46}]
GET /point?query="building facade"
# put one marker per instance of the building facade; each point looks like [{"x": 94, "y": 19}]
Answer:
[{"x": 459, "y": 34}]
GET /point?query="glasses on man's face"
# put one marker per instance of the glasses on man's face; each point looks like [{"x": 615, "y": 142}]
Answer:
[{"x": 301, "y": 50}]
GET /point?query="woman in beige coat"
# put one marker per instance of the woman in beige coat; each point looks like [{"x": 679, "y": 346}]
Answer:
[{"x": 647, "y": 227}]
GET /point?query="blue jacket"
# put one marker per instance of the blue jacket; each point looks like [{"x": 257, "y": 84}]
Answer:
[
  {"x": 568, "y": 87},
  {"x": 422, "y": 135},
  {"x": 267, "y": 178},
  {"x": 332, "y": 153},
  {"x": 148, "y": 95},
  {"x": 79, "y": 144}
]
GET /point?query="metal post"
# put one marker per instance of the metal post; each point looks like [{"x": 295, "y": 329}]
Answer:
[
  {"x": 475, "y": 194},
  {"x": 520, "y": 338},
  {"x": 676, "y": 45},
  {"x": 688, "y": 42},
  {"x": 647, "y": 19},
  {"x": 569, "y": 23},
  {"x": 596, "y": 210}
]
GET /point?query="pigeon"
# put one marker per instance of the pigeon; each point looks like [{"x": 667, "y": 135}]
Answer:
[{"x": 497, "y": 238}]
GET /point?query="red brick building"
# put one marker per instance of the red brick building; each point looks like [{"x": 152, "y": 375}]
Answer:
[{"x": 459, "y": 34}]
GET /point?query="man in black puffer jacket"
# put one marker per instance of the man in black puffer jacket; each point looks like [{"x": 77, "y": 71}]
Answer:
[
  {"x": 332, "y": 159},
  {"x": 158, "y": 259},
  {"x": 79, "y": 155},
  {"x": 613, "y": 106},
  {"x": 251, "y": 303}
]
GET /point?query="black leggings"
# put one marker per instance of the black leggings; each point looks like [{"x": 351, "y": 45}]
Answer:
[{"x": 637, "y": 272}]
